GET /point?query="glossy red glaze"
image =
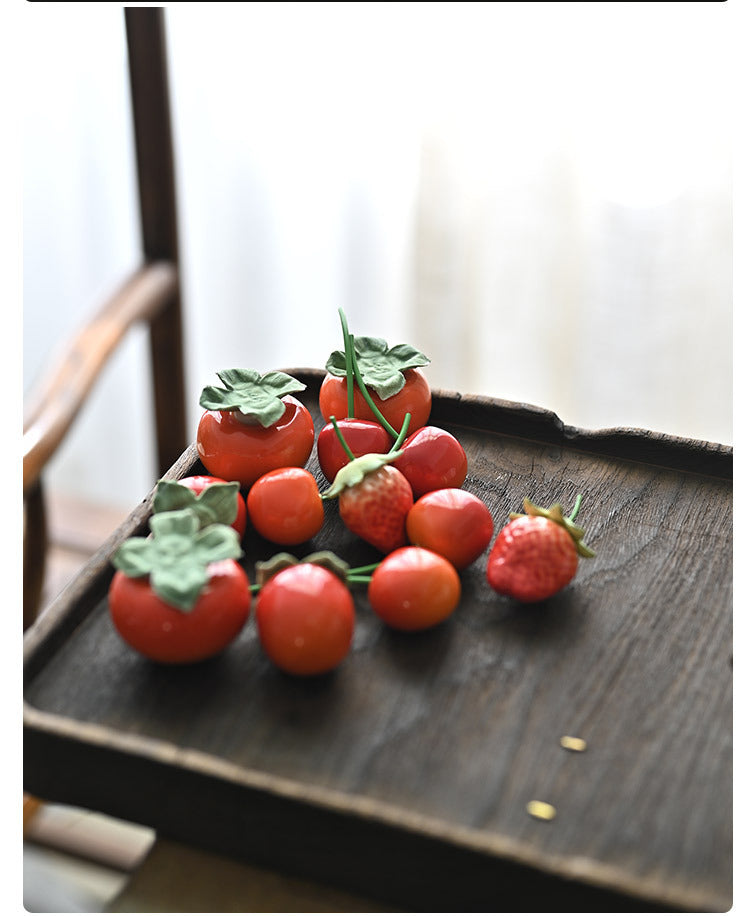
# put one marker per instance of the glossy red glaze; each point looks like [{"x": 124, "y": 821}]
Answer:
[
  {"x": 452, "y": 522},
  {"x": 285, "y": 506},
  {"x": 414, "y": 588},
  {"x": 362, "y": 436},
  {"x": 165, "y": 634},
  {"x": 414, "y": 398},
  {"x": 305, "y": 619},
  {"x": 432, "y": 460},
  {"x": 238, "y": 451}
]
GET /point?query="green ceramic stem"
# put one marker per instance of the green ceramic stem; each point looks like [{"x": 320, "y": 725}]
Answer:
[
  {"x": 349, "y": 359},
  {"x": 402, "y": 435},
  {"x": 342, "y": 440},
  {"x": 577, "y": 506}
]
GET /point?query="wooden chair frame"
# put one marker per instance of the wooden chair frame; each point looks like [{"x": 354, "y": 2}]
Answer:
[{"x": 151, "y": 294}]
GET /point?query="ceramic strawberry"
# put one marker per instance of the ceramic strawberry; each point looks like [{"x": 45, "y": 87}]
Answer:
[
  {"x": 536, "y": 555},
  {"x": 374, "y": 500}
]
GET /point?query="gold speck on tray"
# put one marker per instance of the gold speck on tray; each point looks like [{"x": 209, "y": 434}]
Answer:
[
  {"x": 573, "y": 744},
  {"x": 541, "y": 810}
]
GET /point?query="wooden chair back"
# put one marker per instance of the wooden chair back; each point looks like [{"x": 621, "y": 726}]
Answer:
[{"x": 151, "y": 294}]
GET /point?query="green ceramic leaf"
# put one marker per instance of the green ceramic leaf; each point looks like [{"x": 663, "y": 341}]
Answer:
[
  {"x": 134, "y": 557},
  {"x": 178, "y": 524},
  {"x": 555, "y": 514},
  {"x": 265, "y": 570},
  {"x": 354, "y": 472},
  {"x": 217, "y": 504},
  {"x": 256, "y": 396},
  {"x": 176, "y": 555},
  {"x": 382, "y": 367},
  {"x": 179, "y": 584},
  {"x": 217, "y": 542},
  {"x": 236, "y": 378}
]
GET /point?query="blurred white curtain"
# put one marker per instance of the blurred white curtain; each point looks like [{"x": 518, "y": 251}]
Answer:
[
  {"x": 574, "y": 231},
  {"x": 536, "y": 195}
]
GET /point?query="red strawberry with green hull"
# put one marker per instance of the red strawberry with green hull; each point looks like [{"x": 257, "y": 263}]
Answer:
[
  {"x": 374, "y": 500},
  {"x": 536, "y": 555}
]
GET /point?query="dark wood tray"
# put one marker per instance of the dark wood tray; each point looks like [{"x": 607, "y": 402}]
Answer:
[{"x": 405, "y": 774}]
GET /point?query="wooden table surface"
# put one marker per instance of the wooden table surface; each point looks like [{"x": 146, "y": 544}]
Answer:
[{"x": 417, "y": 758}]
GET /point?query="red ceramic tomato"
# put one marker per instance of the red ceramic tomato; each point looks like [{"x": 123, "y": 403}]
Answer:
[
  {"x": 363, "y": 437},
  {"x": 414, "y": 398},
  {"x": 198, "y": 484},
  {"x": 414, "y": 588},
  {"x": 432, "y": 459},
  {"x": 285, "y": 506},
  {"x": 452, "y": 522},
  {"x": 236, "y": 450},
  {"x": 305, "y": 619},
  {"x": 165, "y": 634}
]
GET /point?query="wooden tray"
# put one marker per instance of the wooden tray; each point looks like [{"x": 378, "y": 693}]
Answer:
[{"x": 405, "y": 774}]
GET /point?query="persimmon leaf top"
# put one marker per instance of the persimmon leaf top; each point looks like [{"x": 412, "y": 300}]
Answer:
[
  {"x": 176, "y": 556},
  {"x": 252, "y": 394},
  {"x": 216, "y": 504},
  {"x": 382, "y": 367}
]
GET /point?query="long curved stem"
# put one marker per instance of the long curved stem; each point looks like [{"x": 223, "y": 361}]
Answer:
[
  {"x": 348, "y": 359},
  {"x": 342, "y": 440},
  {"x": 362, "y": 570},
  {"x": 368, "y": 397},
  {"x": 402, "y": 435}
]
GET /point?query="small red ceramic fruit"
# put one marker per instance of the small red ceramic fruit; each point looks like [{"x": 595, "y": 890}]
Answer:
[
  {"x": 253, "y": 425},
  {"x": 414, "y": 589},
  {"x": 179, "y": 596},
  {"x": 452, "y": 522},
  {"x": 432, "y": 459},
  {"x": 285, "y": 506},
  {"x": 305, "y": 619},
  {"x": 362, "y": 436}
]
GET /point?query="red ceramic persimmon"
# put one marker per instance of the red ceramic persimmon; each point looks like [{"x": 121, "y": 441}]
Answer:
[
  {"x": 414, "y": 398},
  {"x": 253, "y": 426},
  {"x": 363, "y": 437},
  {"x": 165, "y": 634},
  {"x": 305, "y": 619},
  {"x": 452, "y": 522},
  {"x": 432, "y": 459},
  {"x": 414, "y": 589},
  {"x": 285, "y": 506},
  {"x": 199, "y": 482},
  {"x": 179, "y": 596}
]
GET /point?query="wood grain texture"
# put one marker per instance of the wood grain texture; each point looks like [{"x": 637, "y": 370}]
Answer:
[
  {"x": 416, "y": 759},
  {"x": 55, "y": 403}
]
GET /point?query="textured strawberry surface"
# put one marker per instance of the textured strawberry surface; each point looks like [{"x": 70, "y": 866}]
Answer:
[
  {"x": 531, "y": 559},
  {"x": 376, "y": 508}
]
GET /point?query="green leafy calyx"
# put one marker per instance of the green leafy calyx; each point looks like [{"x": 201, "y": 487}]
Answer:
[
  {"x": 381, "y": 367},
  {"x": 256, "y": 397},
  {"x": 555, "y": 514},
  {"x": 215, "y": 505},
  {"x": 355, "y": 471},
  {"x": 267, "y": 569},
  {"x": 176, "y": 556}
]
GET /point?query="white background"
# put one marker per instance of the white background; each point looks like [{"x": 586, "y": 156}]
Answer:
[{"x": 538, "y": 196}]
